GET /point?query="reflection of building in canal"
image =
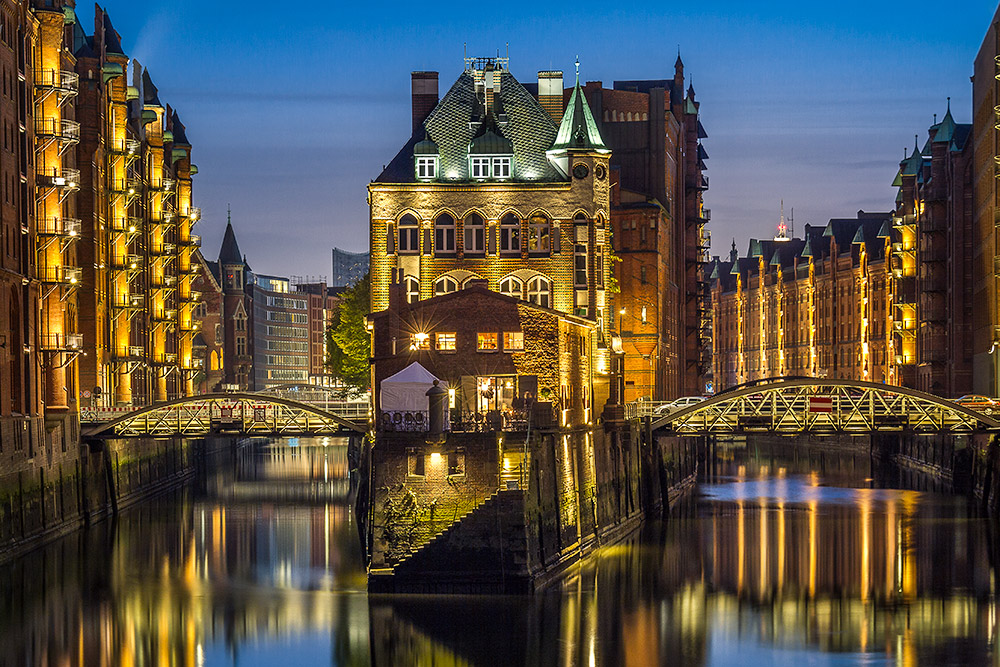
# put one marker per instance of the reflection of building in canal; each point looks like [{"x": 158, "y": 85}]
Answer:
[
  {"x": 219, "y": 579},
  {"x": 859, "y": 571}
]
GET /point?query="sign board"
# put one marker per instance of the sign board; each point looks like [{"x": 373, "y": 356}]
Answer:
[{"x": 820, "y": 404}]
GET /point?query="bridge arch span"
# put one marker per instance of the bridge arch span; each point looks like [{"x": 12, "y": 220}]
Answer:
[
  {"x": 819, "y": 405},
  {"x": 229, "y": 413}
]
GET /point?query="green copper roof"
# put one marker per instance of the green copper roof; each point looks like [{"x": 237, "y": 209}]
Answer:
[
  {"x": 912, "y": 165},
  {"x": 489, "y": 140},
  {"x": 806, "y": 249},
  {"x": 426, "y": 147},
  {"x": 946, "y": 129},
  {"x": 885, "y": 231},
  {"x": 859, "y": 237},
  {"x": 898, "y": 181},
  {"x": 578, "y": 128},
  {"x": 775, "y": 259}
]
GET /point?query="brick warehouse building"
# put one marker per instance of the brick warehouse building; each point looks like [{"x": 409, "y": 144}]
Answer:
[
  {"x": 659, "y": 222},
  {"x": 818, "y": 306}
]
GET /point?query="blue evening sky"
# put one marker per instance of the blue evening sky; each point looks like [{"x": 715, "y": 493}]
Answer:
[{"x": 292, "y": 113}]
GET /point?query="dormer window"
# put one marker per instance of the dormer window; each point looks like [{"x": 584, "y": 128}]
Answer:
[
  {"x": 427, "y": 167},
  {"x": 490, "y": 153},
  {"x": 479, "y": 167},
  {"x": 501, "y": 167}
]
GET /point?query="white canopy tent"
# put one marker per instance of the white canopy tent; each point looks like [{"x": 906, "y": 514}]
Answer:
[{"x": 406, "y": 392}]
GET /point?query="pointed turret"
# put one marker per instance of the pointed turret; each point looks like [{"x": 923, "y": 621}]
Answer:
[
  {"x": 150, "y": 93},
  {"x": 112, "y": 40},
  {"x": 230, "y": 252},
  {"x": 180, "y": 135},
  {"x": 578, "y": 130},
  {"x": 734, "y": 254},
  {"x": 946, "y": 130}
]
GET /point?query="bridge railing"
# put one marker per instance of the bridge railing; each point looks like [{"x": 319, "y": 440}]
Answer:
[{"x": 353, "y": 410}]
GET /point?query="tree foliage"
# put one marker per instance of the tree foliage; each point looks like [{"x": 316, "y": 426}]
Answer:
[{"x": 348, "y": 343}]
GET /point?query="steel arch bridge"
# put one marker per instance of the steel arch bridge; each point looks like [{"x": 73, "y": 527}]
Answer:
[
  {"x": 818, "y": 405},
  {"x": 227, "y": 414}
]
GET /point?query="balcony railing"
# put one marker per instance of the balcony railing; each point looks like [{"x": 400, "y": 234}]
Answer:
[
  {"x": 61, "y": 341},
  {"x": 128, "y": 301},
  {"x": 60, "y": 275},
  {"x": 69, "y": 227},
  {"x": 63, "y": 177},
  {"x": 62, "y": 129},
  {"x": 129, "y": 185},
  {"x": 166, "y": 315},
  {"x": 124, "y": 146},
  {"x": 130, "y": 224},
  {"x": 126, "y": 262},
  {"x": 129, "y": 353},
  {"x": 194, "y": 213},
  {"x": 62, "y": 81},
  {"x": 192, "y": 241},
  {"x": 165, "y": 359},
  {"x": 193, "y": 296}
]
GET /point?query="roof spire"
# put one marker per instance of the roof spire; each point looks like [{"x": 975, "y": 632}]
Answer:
[
  {"x": 578, "y": 70},
  {"x": 229, "y": 214},
  {"x": 734, "y": 254},
  {"x": 916, "y": 144},
  {"x": 782, "y": 234},
  {"x": 949, "y": 104}
]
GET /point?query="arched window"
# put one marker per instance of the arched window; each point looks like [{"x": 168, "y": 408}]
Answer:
[
  {"x": 511, "y": 286},
  {"x": 409, "y": 235},
  {"x": 445, "y": 285},
  {"x": 539, "y": 289},
  {"x": 475, "y": 234},
  {"x": 444, "y": 235},
  {"x": 412, "y": 287},
  {"x": 539, "y": 232},
  {"x": 510, "y": 234}
]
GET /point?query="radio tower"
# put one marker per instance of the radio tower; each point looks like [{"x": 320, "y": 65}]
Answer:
[{"x": 782, "y": 227}]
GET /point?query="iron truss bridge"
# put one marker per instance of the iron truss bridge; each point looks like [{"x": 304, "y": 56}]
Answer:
[
  {"x": 823, "y": 406},
  {"x": 246, "y": 414}
]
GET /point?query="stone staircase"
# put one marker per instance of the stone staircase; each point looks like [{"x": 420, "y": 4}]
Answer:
[{"x": 483, "y": 551}]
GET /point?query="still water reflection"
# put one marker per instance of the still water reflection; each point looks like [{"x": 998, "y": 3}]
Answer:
[{"x": 790, "y": 558}]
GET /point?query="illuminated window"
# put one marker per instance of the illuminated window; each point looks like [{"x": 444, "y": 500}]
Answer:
[
  {"x": 409, "y": 235},
  {"x": 538, "y": 291},
  {"x": 539, "y": 230},
  {"x": 445, "y": 285},
  {"x": 511, "y": 286},
  {"x": 444, "y": 235},
  {"x": 510, "y": 234},
  {"x": 426, "y": 167},
  {"x": 644, "y": 314},
  {"x": 475, "y": 234},
  {"x": 513, "y": 341},
  {"x": 412, "y": 286},
  {"x": 486, "y": 342},
  {"x": 445, "y": 341},
  {"x": 420, "y": 341}
]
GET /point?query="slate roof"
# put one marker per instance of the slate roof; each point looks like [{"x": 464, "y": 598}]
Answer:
[
  {"x": 180, "y": 135},
  {"x": 456, "y": 119},
  {"x": 112, "y": 40},
  {"x": 230, "y": 252},
  {"x": 150, "y": 93}
]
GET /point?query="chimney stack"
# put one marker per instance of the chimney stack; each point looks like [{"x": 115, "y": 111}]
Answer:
[
  {"x": 424, "y": 90},
  {"x": 550, "y": 93}
]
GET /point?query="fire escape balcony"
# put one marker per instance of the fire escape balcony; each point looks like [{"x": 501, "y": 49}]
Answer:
[
  {"x": 904, "y": 328},
  {"x": 60, "y": 342},
  {"x": 129, "y": 147},
  {"x": 905, "y": 360},
  {"x": 996, "y": 266},
  {"x": 58, "y": 82},
  {"x": 190, "y": 326},
  {"x": 194, "y": 213},
  {"x": 126, "y": 262},
  {"x": 162, "y": 185},
  {"x": 163, "y": 249},
  {"x": 193, "y": 296},
  {"x": 164, "y": 315},
  {"x": 164, "y": 217},
  {"x": 128, "y": 187},
  {"x": 129, "y": 353},
  {"x": 165, "y": 359},
  {"x": 63, "y": 131},
  {"x": 64, "y": 179},
  {"x": 129, "y": 226},
  {"x": 192, "y": 241},
  {"x": 59, "y": 275},
  {"x": 58, "y": 227},
  {"x": 163, "y": 282},
  {"x": 128, "y": 301}
]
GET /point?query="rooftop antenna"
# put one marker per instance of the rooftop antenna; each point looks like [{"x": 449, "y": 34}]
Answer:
[
  {"x": 791, "y": 223},
  {"x": 229, "y": 212},
  {"x": 782, "y": 234},
  {"x": 578, "y": 70}
]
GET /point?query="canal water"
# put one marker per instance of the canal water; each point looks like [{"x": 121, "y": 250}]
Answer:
[{"x": 783, "y": 556}]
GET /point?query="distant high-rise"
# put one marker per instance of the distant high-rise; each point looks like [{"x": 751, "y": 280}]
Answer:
[{"x": 348, "y": 267}]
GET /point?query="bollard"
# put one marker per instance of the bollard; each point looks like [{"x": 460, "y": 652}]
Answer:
[{"x": 436, "y": 397}]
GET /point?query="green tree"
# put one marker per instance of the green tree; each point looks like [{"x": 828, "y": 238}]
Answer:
[{"x": 348, "y": 343}]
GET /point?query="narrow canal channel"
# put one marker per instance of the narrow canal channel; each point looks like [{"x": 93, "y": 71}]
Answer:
[{"x": 783, "y": 555}]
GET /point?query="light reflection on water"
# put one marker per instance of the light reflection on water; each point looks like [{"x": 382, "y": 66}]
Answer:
[{"x": 767, "y": 564}]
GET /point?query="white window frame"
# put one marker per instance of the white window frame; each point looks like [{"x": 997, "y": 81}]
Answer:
[
  {"x": 501, "y": 167},
  {"x": 442, "y": 285},
  {"x": 479, "y": 167},
  {"x": 510, "y": 232},
  {"x": 474, "y": 243},
  {"x": 444, "y": 236},
  {"x": 539, "y": 290},
  {"x": 426, "y": 167},
  {"x": 412, "y": 289},
  {"x": 410, "y": 233},
  {"x": 511, "y": 286}
]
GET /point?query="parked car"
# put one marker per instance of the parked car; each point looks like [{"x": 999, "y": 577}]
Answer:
[
  {"x": 979, "y": 402},
  {"x": 678, "y": 404}
]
